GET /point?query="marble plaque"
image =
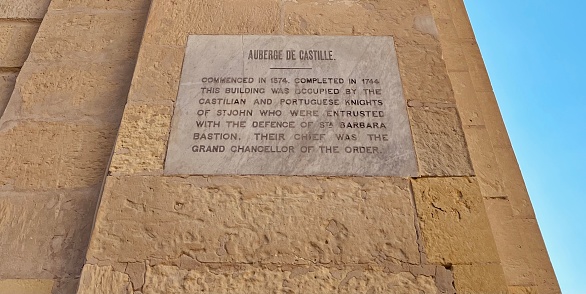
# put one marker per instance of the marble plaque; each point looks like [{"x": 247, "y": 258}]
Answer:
[{"x": 290, "y": 105}]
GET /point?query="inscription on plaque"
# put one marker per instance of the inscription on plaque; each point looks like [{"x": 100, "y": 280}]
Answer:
[{"x": 290, "y": 105}]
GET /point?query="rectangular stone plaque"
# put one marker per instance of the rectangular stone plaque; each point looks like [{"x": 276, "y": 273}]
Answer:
[{"x": 290, "y": 105}]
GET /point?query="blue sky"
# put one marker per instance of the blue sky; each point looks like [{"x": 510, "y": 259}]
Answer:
[{"x": 534, "y": 52}]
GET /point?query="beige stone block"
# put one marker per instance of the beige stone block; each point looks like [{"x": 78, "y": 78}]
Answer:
[
  {"x": 7, "y": 81},
  {"x": 468, "y": 106},
  {"x": 72, "y": 90},
  {"x": 407, "y": 20},
  {"x": 44, "y": 235},
  {"x": 423, "y": 74},
  {"x": 249, "y": 279},
  {"x": 16, "y": 38},
  {"x": 268, "y": 220},
  {"x": 26, "y": 286},
  {"x": 538, "y": 260},
  {"x": 123, "y": 5},
  {"x": 476, "y": 279},
  {"x": 45, "y": 156},
  {"x": 24, "y": 9},
  {"x": 440, "y": 9},
  {"x": 511, "y": 248},
  {"x": 157, "y": 74},
  {"x": 171, "y": 23},
  {"x": 476, "y": 66},
  {"x": 454, "y": 58},
  {"x": 523, "y": 290},
  {"x": 493, "y": 119},
  {"x": 453, "y": 221},
  {"x": 484, "y": 161},
  {"x": 447, "y": 31},
  {"x": 439, "y": 142},
  {"x": 90, "y": 37},
  {"x": 460, "y": 19},
  {"x": 142, "y": 138},
  {"x": 104, "y": 280},
  {"x": 514, "y": 184}
]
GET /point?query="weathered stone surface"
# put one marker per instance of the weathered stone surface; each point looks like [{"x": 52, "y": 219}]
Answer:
[
  {"x": 7, "y": 81},
  {"x": 70, "y": 91},
  {"x": 473, "y": 279},
  {"x": 469, "y": 109},
  {"x": 523, "y": 290},
  {"x": 484, "y": 162},
  {"x": 27, "y": 9},
  {"x": 248, "y": 279},
  {"x": 298, "y": 220},
  {"x": 460, "y": 18},
  {"x": 46, "y": 156},
  {"x": 44, "y": 235},
  {"x": 514, "y": 184},
  {"x": 439, "y": 142},
  {"x": 104, "y": 280},
  {"x": 423, "y": 74},
  {"x": 511, "y": 248},
  {"x": 493, "y": 120},
  {"x": 171, "y": 23},
  {"x": 120, "y": 5},
  {"x": 107, "y": 37},
  {"x": 26, "y": 286},
  {"x": 142, "y": 140},
  {"x": 16, "y": 38},
  {"x": 448, "y": 209}
]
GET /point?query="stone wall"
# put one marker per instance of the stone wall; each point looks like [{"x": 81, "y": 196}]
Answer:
[{"x": 58, "y": 130}]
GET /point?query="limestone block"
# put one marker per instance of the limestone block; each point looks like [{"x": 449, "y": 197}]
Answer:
[
  {"x": 44, "y": 235},
  {"x": 538, "y": 260},
  {"x": 454, "y": 57},
  {"x": 407, "y": 20},
  {"x": 514, "y": 184},
  {"x": 171, "y": 22},
  {"x": 269, "y": 220},
  {"x": 440, "y": 9},
  {"x": 157, "y": 74},
  {"x": 439, "y": 142},
  {"x": 484, "y": 162},
  {"x": 104, "y": 280},
  {"x": 249, "y": 279},
  {"x": 26, "y": 286},
  {"x": 468, "y": 106},
  {"x": 476, "y": 66},
  {"x": 448, "y": 209},
  {"x": 50, "y": 155},
  {"x": 423, "y": 74},
  {"x": 72, "y": 90},
  {"x": 124, "y": 5},
  {"x": 91, "y": 37},
  {"x": 460, "y": 19},
  {"x": 142, "y": 138},
  {"x": 447, "y": 30},
  {"x": 7, "y": 81},
  {"x": 26, "y": 9},
  {"x": 523, "y": 290},
  {"x": 493, "y": 119},
  {"x": 511, "y": 248},
  {"x": 16, "y": 38},
  {"x": 472, "y": 279}
]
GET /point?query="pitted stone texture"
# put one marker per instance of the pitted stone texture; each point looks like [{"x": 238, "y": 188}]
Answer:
[
  {"x": 44, "y": 235},
  {"x": 16, "y": 38},
  {"x": 7, "y": 81},
  {"x": 523, "y": 290},
  {"x": 469, "y": 109},
  {"x": 104, "y": 280},
  {"x": 121, "y": 5},
  {"x": 157, "y": 74},
  {"x": 46, "y": 156},
  {"x": 171, "y": 22},
  {"x": 475, "y": 279},
  {"x": 107, "y": 37},
  {"x": 142, "y": 138},
  {"x": 248, "y": 279},
  {"x": 94, "y": 91},
  {"x": 26, "y": 286},
  {"x": 27, "y": 9},
  {"x": 297, "y": 220},
  {"x": 453, "y": 221},
  {"x": 439, "y": 142}
]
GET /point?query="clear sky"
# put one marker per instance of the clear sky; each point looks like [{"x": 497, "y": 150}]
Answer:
[{"x": 535, "y": 55}]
